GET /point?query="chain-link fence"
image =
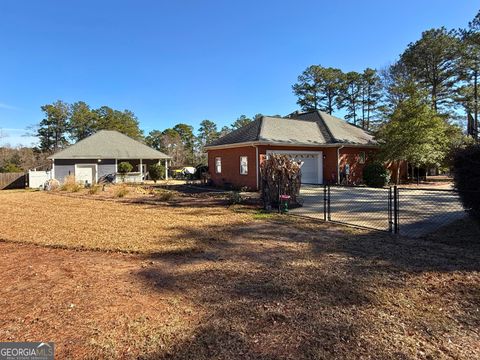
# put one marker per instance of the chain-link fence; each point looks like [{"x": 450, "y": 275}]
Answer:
[{"x": 406, "y": 211}]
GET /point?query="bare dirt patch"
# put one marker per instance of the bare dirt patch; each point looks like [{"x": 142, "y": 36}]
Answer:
[{"x": 271, "y": 288}]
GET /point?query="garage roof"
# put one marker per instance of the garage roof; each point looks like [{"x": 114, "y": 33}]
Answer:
[
  {"x": 309, "y": 128},
  {"x": 109, "y": 144}
]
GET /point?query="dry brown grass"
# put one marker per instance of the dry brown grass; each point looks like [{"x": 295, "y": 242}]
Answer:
[
  {"x": 271, "y": 288},
  {"x": 81, "y": 223},
  {"x": 120, "y": 191},
  {"x": 70, "y": 185}
]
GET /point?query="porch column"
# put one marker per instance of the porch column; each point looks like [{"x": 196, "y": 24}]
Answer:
[
  {"x": 166, "y": 169},
  {"x": 141, "y": 171}
]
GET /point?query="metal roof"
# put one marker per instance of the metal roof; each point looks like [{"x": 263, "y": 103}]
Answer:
[
  {"x": 109, "y": 144},
  {"x": 309, "y": 128}
]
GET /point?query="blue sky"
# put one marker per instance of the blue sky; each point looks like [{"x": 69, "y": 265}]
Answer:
[{"x": 185, "y": 61}]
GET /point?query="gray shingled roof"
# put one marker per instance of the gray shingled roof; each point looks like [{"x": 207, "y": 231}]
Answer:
[
  {"x": 310, "y": 128},
  {"x": 108, "y": 144}
]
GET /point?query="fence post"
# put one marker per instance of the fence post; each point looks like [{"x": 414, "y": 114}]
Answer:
[
  {"x": 390, "y": 219},
  {"x": 325, "y": 202},
  {"x": 328, "y": 204},
  {"x": 396, "y": 217}
]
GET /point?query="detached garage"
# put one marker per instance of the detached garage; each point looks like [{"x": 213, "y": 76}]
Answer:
[
  {"x": 325, "y": 144},
  {"x": 98, "y": 156}
]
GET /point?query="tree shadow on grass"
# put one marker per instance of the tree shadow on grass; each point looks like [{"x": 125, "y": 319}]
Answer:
[{"x": 270, "y": 290}]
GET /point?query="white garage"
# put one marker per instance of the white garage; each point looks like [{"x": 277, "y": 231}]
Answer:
[{"x": 312, "y": 168}]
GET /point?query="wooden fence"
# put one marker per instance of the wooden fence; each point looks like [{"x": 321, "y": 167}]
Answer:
[{"x": 12, "y": 181}]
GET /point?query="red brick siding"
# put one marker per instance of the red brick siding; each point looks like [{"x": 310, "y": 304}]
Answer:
[
  {"x": 351, "y": 156},
  {"x": 231, "y": 167}
]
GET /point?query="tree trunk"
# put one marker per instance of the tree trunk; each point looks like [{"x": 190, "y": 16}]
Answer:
[{"x": 475, "y": 102}]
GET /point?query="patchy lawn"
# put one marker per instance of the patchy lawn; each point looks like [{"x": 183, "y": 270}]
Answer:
[
  {"x": 210, "y": 282},
  {"x": 76, "y": 221}
]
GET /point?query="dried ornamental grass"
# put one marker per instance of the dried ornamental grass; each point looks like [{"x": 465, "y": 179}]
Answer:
[
  {"x": 121, "y": 191},
  {"x": 70, "y": 185},
  {"x": 280, "y": 176}
]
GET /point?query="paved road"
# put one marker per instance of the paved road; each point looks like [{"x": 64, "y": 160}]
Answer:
[{"x": 421, "y": 210}]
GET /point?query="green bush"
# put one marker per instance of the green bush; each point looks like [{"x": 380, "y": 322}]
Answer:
[
  {"x": 10, "y": 168},
  {"x": 235, "y": 198},
  {"x": 156, "y": 172},
  {"x": 375, "y": 175},
  {"x": 466, "y": 176},
  {"x": 124, "y": 167}
]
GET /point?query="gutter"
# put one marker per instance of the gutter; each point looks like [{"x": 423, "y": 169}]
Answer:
[
  {"x": 266, "y": 143},
  {"x": 338, "y": 162}
]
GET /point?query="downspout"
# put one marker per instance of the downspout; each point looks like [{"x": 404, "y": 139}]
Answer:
[
  {"x": 338, "y": 162},
  {"x": 256, "y": 166}
]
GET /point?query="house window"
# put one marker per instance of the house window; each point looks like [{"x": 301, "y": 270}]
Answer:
[
  {"x": 218, "y": 165},
  {"x": 361, "y": 157},
  {"x": 243, "y": 165}
]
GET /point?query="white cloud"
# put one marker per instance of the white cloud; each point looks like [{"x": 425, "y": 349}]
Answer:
[
  {"x": 7, "y": 107},
  {"x": 16, "y": 137}
]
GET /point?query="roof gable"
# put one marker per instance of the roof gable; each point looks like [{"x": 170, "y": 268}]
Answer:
[
  {"x": 109, "y": 144},
  {"x": 290, "y": 131}
]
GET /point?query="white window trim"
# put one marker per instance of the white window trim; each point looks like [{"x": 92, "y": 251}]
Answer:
[
  {"x": 246, "y": 158},
  {"x": 364, "y": 157},
  {"x": 216, "y": 167}
]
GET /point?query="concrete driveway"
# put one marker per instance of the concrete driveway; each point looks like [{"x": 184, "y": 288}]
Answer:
[{"x": 421, "y": 211}]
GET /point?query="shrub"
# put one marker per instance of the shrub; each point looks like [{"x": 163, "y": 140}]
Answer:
[
  {"x": 235, "y": 198},
  {"x": 164, "y": 195},
  {"x": 201, "y": 171},
  {"x": 52, "y": 185},
  {"x": 156, "y": 172},
  {"x": 94, "y": 189},
  {"x": 466, "y": 176},
  {"x": 10, "y": 168},
  {"x": 124, "y": 168},
  {"x": 375, "y": 175},
  {"x": 70, "y": 185},
  {"x": 121, "y": 191}
]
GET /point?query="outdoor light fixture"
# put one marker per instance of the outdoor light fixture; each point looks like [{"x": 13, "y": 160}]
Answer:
[{"x": 99, "y": 160}]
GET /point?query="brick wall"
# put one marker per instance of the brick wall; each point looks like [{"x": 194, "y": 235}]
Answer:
[
  {"x": 231, "y": 163},
  {"x": 231, "y": 167}
]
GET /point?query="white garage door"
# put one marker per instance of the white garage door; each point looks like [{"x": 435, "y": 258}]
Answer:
[
  {"x": 85, "y": 173},
  {"x": 312, "y": 168}
]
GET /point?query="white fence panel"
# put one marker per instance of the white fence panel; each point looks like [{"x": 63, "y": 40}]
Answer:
[{"x": 37, "y": 179}]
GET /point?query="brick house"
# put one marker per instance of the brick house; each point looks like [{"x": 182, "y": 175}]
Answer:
[{"x": 323, "y": 142}]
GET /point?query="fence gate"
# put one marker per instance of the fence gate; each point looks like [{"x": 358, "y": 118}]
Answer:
[{"x": 406, "y": 211}]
